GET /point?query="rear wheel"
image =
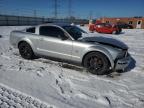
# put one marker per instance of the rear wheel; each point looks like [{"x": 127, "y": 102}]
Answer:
[
  {"x": 96, "y": 63},
  {"x": 26, "y": 51}
]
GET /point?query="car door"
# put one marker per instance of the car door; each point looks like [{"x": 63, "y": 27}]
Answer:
[
  {"x": 102, "y": 28},
  {"x": 107, "y": 28},
  {"x": 53, "y": 43}
]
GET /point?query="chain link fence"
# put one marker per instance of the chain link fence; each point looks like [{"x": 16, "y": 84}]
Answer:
[{"x": 9, "y": 20}]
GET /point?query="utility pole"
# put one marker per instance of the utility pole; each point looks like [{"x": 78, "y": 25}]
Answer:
[
  {"x": 35, "y": 16},
  {"x": 35, "y": 13},
  {"x": 0, "y": 5},
  {"x": 91, "y": 15},
  {"x": 55, "y": 8},
  {"x": 70, "y": 8}
]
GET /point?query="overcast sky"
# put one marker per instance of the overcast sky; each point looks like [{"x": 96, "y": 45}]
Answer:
[{"x": 80, "y": 8}]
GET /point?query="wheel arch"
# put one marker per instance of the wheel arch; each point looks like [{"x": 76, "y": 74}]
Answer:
[
  {"x": 26, "y": 41},
  {"x": 104, "y": 52}
]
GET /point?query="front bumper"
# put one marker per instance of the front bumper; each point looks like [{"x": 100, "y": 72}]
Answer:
[{"x": 121, "y": 64}]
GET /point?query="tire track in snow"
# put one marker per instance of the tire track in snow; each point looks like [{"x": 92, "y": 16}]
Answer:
[{"x": 10, "y": 98}]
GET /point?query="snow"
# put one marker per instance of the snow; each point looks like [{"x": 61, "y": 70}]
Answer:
[{"x": 61, "y": 85}]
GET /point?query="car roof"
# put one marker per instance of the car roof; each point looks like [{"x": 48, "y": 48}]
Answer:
[{"x": 56, "y": 24}]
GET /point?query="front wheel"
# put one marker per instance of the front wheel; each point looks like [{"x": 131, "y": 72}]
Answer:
[
  {"x": 96, "y": 63},
  {"x": 25, "y": 51},
  {"x": 114, "y": 32}
]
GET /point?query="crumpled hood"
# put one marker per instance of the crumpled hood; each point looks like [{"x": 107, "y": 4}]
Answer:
[{"x": 106, "y": 41}]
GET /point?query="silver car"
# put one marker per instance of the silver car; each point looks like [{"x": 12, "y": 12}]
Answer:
[{"x": 71, "y": 44}]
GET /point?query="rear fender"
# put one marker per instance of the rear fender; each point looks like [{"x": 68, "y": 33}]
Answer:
[{"x": 27, "y": 41}]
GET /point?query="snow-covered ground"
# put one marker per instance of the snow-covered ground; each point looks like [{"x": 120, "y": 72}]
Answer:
[{"x": 42, "y": 83}]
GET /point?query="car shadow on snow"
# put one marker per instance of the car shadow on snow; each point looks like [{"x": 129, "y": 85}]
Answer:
[
  {"x": 121, "y": 33},
  {"x": 72, "y": 67},
  {"x": 131, "y": 66},
  {"x": 0, "y": 36},
  {"x": 113, "y": 74},
  {"x": 110, "y": 73}
]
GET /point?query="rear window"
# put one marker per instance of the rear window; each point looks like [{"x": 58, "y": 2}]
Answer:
[{"x": 31, "y": 30}]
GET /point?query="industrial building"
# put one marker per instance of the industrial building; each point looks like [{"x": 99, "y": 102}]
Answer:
[{"x": 136, "y": 22}]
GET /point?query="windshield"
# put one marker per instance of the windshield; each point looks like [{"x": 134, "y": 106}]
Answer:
[{"x": 74, "y": 31}]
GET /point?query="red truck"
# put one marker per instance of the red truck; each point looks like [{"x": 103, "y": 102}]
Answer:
[{"x": 105, "y": 28}]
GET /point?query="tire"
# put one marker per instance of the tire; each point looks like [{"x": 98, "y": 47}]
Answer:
[
  {"x": 117, "y": 32},
  {"x": 98, "y": 31},
  {"x": 114, "y": 32},
  {"x": 26, "y": 51},
  {"x": 96, "y": 63}
]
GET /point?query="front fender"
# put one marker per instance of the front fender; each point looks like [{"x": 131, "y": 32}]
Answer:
[{"x": 102, "y": 50}]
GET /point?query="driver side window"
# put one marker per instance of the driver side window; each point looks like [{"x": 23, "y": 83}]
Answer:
[{"x": 51, "y": 31}]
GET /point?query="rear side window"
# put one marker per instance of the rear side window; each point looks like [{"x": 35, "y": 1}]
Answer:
[
  {"x": 100, "y": 25},
  {"x": 107, "y": 25},
  {"x": 51, "y": 31},
  {"x": 31, "y": 30}
]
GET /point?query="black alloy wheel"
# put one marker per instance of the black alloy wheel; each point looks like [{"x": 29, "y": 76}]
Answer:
[
  {"x": 26, "y": 51},
  {"x": 96, "y": 63}
]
